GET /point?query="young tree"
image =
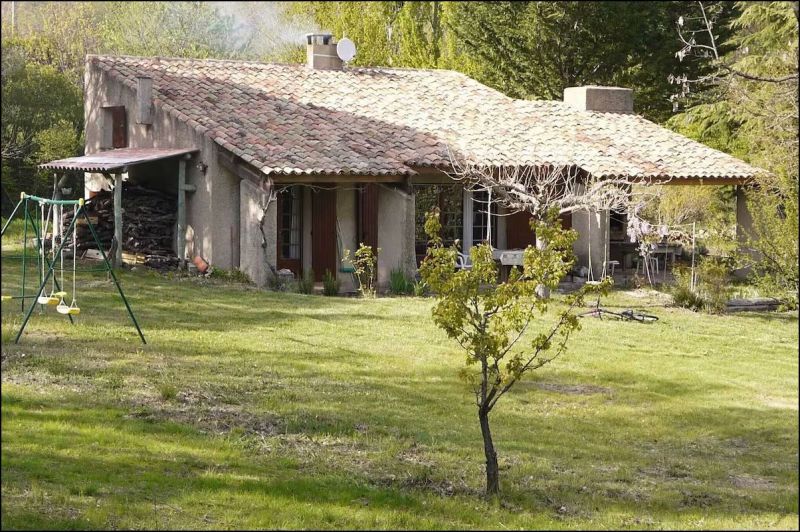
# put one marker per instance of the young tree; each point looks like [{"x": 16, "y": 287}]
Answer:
[{"x": 489, "y": 319}]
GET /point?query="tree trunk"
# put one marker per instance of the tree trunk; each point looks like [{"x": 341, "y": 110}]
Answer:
[
  {"x": 542, "y": 291},
  {"x": 492, "y": 471}
]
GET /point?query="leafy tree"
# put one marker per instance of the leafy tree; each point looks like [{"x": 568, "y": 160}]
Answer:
[
  {"x": 177, "y": 29},
  {"x": 536, "y": 49},
  {"x": 489, "y": 318},
  {"x": 750, "y": 110},
  {"x": 42, "y": 117}
]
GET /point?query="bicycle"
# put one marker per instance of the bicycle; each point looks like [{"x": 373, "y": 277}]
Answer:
[{"x": 625, "y": 315}]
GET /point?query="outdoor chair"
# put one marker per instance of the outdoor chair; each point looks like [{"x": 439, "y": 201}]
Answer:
[{"x": 463, "y": 262}]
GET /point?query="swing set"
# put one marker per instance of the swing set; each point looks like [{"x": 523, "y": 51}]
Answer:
[{"x": 51, "y": 217}]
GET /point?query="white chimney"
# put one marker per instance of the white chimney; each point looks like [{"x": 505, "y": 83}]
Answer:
[
  {"x": 600, "y": 99},
  {"x": 144, "y": 100},
  {"x": 321, "y": 52}
]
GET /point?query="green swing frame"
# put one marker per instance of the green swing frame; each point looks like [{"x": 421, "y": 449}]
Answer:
[{"x": 24, "y": 203}]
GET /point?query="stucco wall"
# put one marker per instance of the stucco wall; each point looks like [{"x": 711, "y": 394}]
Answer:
[
  {"x": 212, "y": 212},
  {"x": 744, "y": 227},
  {"x": 395, "y": 233},
  {"x": 346, "y": 232},
  {"x": 593, "y": 230},
  {"x": 252, "y": 256}
]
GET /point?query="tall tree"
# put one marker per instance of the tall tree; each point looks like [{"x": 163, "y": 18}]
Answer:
[
  {"x": 536, "y": 49},
  {"x": 751, "y": 110}
]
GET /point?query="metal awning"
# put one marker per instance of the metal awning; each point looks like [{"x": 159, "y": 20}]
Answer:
[{"x": 115, "y": 160}]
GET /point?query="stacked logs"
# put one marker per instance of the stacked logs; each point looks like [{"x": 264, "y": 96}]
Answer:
[{"x": 148, "y": 217}]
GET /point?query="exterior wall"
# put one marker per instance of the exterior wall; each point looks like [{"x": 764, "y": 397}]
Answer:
[
  {"x": 593, "y": 230},
  {"x": 395, "y": 233},
  {"x": 252, "y": 256},
  {"x": 212, "y": 212},
  {"x": 346, "y": 233},
  {"x": 744, "y": 227}
]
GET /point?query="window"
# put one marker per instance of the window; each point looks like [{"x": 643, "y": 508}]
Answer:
[
  {"x": 115, "y": 127},
  {"x": 480, "y": 218},
  {"x": 289, "y": 223},
  {"x": 450, "y": 200}
]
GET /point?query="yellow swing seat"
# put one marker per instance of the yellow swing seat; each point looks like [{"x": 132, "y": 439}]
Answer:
[
  {"x": 5, "y": 298},
  {"x": 72, "y": 310}
]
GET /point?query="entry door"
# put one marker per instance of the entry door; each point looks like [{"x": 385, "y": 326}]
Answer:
[
  {"x": 289, "y": 229},
  {"x": 323, "y": 232}
]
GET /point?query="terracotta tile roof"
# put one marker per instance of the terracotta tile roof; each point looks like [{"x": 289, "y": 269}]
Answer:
[{"x": 289, "y": 119}]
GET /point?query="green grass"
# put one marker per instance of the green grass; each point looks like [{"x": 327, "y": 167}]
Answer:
[{"x": 251, "y": 409}]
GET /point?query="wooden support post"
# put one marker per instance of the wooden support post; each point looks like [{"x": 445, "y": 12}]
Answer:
[
  {"x": 181, "y": 251},
  {"x": 118, "y": 219}
]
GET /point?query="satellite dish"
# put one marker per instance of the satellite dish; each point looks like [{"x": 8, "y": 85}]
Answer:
[{"x": 346, "y": 49}]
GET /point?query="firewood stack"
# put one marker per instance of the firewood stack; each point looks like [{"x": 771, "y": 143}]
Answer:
[{"x": 148, "y": 217}]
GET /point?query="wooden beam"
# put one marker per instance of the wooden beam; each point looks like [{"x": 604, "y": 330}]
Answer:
[
  {"x": 118, "y": 219},
  {"x": 242, "y": 169},
  {"x": 331, "y": 179},
  {"x": 181, "y": 251},
  {"x": 698, "y": 181},
  {"x": 144, "y": 100}
]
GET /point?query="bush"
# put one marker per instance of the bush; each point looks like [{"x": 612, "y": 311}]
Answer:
[
  {"x": 713, "y": 273},
  {"x": 365, "y": 264},
  {"x": 399, "y": 284},
  {"x": 234, "y": 275},
  {"x": 330, "y": 284},
  {"x": 305, "y": 283}
]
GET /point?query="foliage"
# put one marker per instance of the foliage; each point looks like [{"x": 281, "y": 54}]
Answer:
[
  {"x": 400, "y": 34},
  {"x": 488, "y": 318},
  {"x": 234, "y": 275},
  {"x": 305, "y": 282},
  {"x": 750, "y": 110},
  {"x": 42, "y": 117},
  {"x": 420, "y": 288},
  {"x": 365, "y": 266},
  {"x": 537, "y": 49},
  {"x": 330, "y": 284},
  {"x": 178, "y": 29},
  {"x": 714, "y": 281},
  {"x": 399, "y": 283}
]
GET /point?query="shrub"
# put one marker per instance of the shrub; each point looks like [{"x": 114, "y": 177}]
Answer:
[
  {"x": 399, "y": 284},
  {"x": 365, "y": 265},
  {"x": 713, "y": 273},
  {"x": 330, "y": 284},
  {"x": 305, "y": 283},
  {"x": 234, "y": 275}
]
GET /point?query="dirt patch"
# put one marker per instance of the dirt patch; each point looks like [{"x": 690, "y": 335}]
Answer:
[
  {"x": 571, "y": 389},
  {"x": 218, "y": 419},
  {"x": 699, "y": 499},
  {"x": 751, "y": 482},
  {"x": 415, "y": 454}
]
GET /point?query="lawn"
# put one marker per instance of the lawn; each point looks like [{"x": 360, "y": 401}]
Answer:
[{"x": 252, "y": 409}]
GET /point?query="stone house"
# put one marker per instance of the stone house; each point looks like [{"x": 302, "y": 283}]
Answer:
[{"x": 359, "y": 154}]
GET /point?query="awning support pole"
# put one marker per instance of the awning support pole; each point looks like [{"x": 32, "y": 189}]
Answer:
[
  {"x": 181, "y": 251},
  {"x": 118, "y": 219}
]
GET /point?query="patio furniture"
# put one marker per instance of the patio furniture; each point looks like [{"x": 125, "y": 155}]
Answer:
[{"x": 463, "y": 262}]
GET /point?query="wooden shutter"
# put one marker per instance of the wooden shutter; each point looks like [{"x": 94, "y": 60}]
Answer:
[
  {"x": 119, "y": 127},
  {"x": 518, "y": 231},
  {"x": 323, "y": 232},
  {"x": 368, "y": 216}
]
